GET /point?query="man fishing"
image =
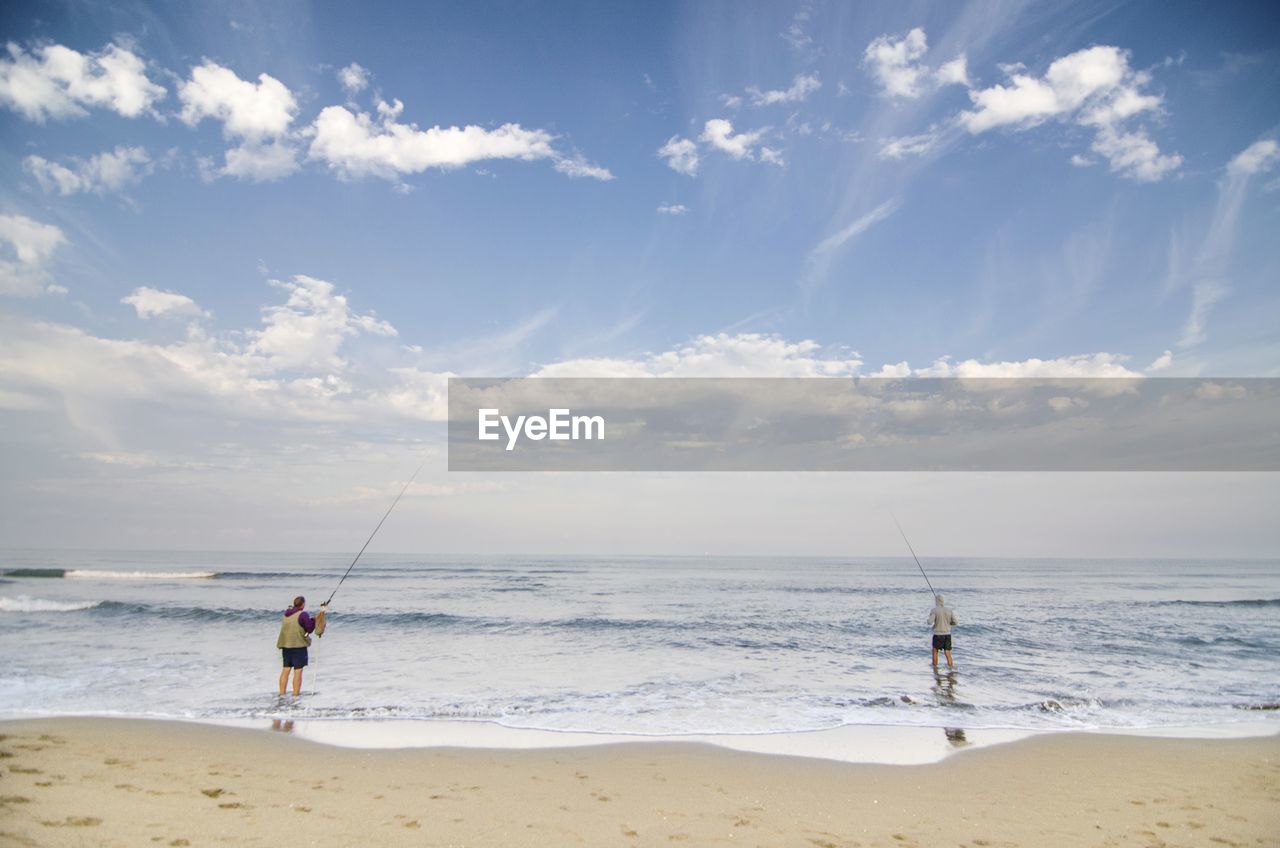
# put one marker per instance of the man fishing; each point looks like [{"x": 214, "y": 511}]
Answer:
[
  {"x": 942, "y": 619},
  {"x": 296, "y": 628}
]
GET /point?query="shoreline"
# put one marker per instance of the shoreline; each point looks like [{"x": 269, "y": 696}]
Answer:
[
  {"x": 883, "y": 744},
  {"x": 71, "y": 781}
]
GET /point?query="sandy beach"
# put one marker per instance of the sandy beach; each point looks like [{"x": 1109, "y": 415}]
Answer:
[{"x": 74, "y": 781}]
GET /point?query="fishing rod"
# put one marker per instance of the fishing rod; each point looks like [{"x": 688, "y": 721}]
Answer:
[
  {"x": 913, "y": 553},
  {"x": 315, "y": 672},
  {"x": 375, "y": 532}
]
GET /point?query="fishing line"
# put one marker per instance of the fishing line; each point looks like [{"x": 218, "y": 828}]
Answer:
[
  {"x": 315, "y": 672},
  {"x": 375, "y": 532},
  {"x": 913, "y": 553}
]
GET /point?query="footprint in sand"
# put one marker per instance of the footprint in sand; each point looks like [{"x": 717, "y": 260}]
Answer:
[
  {"x": 231, "y": 805},
  {"x": 74, "y": 821},
  {"x": 213, "y": 793}
]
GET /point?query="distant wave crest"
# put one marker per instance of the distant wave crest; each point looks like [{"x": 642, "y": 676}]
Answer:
[
  {"x": 1242, "y": 602},
  {"x": 107, "y": 574},
  {"x": 95, "y": 574},
  {"x": 26, "y": 603}
]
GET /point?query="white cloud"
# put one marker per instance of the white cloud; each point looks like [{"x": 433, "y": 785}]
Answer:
[
  {"x": 770, "y": 156},
  {"x": 248, "y": 111},
  {"x": 730, "y": 101},
  {"x": 895, "y": 371},
  {"x": 672, "y": 209},
  {"x": 801, "y": 87},
  {"x": 354, "y": 78},
  {"x": 1134, "y": 155},
  {"x": 105, "y": 172},
  {"x": 909, "y": 145},
  {"x": 955, "y": 72},
  {"x": 53, "y": 81},
  {"x": 1083, "y": 365},
  {"x": 1094, "y": 87},
  {"x": 306, "y": 332},
  {"x": 261, "y": 162},
  {"x": 292, "y": 368},
  {"x": 719, "y": 134},
  {"x": 354, "y": 144},
  {"x": 896, "y": 64},
  {"x": 681, "y": 155},
  {"x": 1161, "y": 362},
  {"x": 258, "y": 115},
  {"x": 721, "y": 355},
  {"x": 26, "y": 246},
  {"x": 153, "y": 303},
  {"x": 578, "y": 167},
  {"x": 1255, "y": 158}
]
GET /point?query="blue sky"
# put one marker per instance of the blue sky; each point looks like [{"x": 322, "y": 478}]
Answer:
[{"x": 238, "y": 240}]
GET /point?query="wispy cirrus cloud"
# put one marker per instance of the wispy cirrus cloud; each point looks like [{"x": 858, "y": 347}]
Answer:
[{"x": 800, "y": 89}]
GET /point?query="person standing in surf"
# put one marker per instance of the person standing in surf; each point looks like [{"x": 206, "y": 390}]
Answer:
[
  {"x": 942, "y": 619},
  {"x": 296, "y": 628}
]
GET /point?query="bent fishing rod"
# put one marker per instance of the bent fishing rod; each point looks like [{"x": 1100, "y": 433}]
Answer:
[
  {"x": 913, "y": 554},
  {"x": 375, "y": 532}
]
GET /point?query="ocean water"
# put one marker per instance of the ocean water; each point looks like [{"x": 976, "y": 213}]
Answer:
[{"x": 639, "y": 645}]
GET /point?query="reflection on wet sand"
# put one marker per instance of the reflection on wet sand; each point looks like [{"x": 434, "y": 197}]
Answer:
[
  {"x": 944, "y": 689},
  {"x": 282, "y": 725}
]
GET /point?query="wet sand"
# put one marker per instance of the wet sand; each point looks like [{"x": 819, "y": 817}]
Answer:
[{"x": 90, "y": 781}]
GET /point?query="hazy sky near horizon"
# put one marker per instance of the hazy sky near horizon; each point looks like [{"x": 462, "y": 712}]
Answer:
[{"x": 243, "y": 245}]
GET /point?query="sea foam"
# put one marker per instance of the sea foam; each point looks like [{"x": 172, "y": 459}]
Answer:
[{"x": 26, "y": 603}]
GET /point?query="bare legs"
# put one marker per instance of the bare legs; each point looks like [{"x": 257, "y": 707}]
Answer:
[
  {"x": 950, "y": 663},
  {"x": 297, "y": 679}
]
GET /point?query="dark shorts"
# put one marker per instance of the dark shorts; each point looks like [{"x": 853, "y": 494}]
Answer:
[
  {"x": 940, "y": 643},
  {"x": 294, "y": 657}
]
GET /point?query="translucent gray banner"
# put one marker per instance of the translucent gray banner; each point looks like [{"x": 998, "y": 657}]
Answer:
[{"x": 826, "y": 424}]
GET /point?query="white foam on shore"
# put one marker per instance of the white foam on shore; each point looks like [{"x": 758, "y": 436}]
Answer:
[
  {"x": 887, "y": 744},
  {"x": 26, "y": 603},
  {"x": 94, "y": 574},
  {"x": 855, "y": 743}
]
